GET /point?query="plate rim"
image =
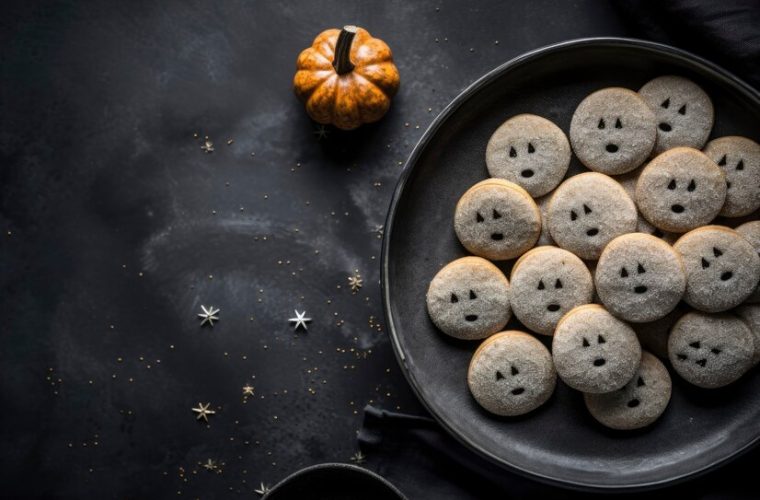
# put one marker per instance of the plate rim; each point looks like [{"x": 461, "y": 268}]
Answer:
[{"x": 463, "y": 96}]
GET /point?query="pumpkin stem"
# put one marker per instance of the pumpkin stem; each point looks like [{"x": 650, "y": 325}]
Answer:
[{"x": 342, "y": 61}]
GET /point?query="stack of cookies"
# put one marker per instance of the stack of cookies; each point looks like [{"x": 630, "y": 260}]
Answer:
[{"x": 626, "y": 254}]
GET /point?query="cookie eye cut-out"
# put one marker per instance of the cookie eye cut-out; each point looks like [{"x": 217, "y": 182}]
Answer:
[
  {"x": 600, "y": 340},
  {"x": 541, "y": 284},
  {"x": 640, "y": 382},
  {"x": 454, "y": 298},
  {"x": 717, "y": 252},
  {"x": 499, "y": 376},
  {"x": 586, "y": 209},
  {"x": 478, "y": 217},
  {"x": 512, "y": 152},
  {"x": 515, "y": 371},
  {"x": 692, "y": 186},
  {"x": 740, "y": 165},
  {"x": 715, "y": 351},
  {"x": 695, "y": 345},
  {"x": 496, "y": 214},
  {"x": 722, "y": 161},
  {"x": 705, "y": 263},
  {"x": 573, "y": 215},
  {"x": 672, "y": 184},
  {"x": 640, "y": 269},
  {"x": 618, "y": 124},
  {"x": 601, "y": 123},
  {"x": 558, "y": 283},
  {"x": 682, "y": 110},
  {"x": 472, "y": 295},
  {"x": 531, "y": 149},
  {"x": 585, "y": 342},
  {"x": 666, "y": 103},
  {"x": 623, "y": 272}
]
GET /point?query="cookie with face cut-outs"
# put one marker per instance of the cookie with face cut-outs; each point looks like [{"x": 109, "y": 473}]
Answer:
[
  {"x": 684, "y": 112},
  {"x": 497, "y": 219},
  {"x": 681, "y": 189},
  {"x": 722, "y": 268},
  {"x": 751, "y": 231},
  {"x": 628, "y": 181},
  {"x": 469, "y": 299},
  {"x": 710, "y": 350},
  {"x": 613, "y": 131},
  {"x": 640, "y": 278},
  {"x": 637, "y": 404},
  {"x": 588, "y": 211},
  {"x": 546, "y": 283},
  {"x": 511, "y": 374},
  {"x": 594, "y": 351},
  {"x": 530, "y": 151},
  {"x": 739, "y": 158},
  {"x": 750, "y": 314}
]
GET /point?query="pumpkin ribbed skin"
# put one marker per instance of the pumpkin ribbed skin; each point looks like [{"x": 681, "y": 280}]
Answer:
[{"x": 360, "y": 95}]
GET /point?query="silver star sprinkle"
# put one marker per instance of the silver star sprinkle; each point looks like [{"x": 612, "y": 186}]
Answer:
[
  {"x": 210, "y": 465},
  {"x": 209, "y": 315},
  {"x": 262, "y": 490},
  {"x": 208, "y": 146},
  {"x": 300, "y": 320},
  {"x": 203, "y": 411}
]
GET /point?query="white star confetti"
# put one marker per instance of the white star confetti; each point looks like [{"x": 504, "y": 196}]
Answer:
[
  {"x": 358, "y": 458},
  {"x": 300, "y": 320},
  {"x": 209, "y": 315},
  {"x": 208, "y": 146},
  {"x": 262, "y": 490},
  {"x": 355, "y": 282},
  {"x": 203, "y": 411},
  {"x": 247, "y": 390},
  {"x": 210, "y": 465}
]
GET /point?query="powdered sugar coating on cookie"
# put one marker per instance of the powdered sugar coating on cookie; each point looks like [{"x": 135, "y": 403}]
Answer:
[
  {"x": 511, "y": 373},
  {"x": 681, "y": 189},
  {"x": 497, "y": 219},
  {"x": 469, "y": 299},
  {"x": 684, "y": 112},
  {"x": 613, "y": 131},
  {"x": 530, "y": 151},
  {"x": 547, "y": 282},
  {"x": 588, "y": 211}
]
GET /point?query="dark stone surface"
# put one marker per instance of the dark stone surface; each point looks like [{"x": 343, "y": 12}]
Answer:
[{"x": 109, "y": 236}]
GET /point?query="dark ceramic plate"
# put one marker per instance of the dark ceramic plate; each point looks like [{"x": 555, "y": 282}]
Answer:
[
  {"x": 559, "y": 442},
  {"x": 334, "y": 482}
]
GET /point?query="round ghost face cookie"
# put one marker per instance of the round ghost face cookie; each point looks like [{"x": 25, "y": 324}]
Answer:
[
  {"x": 637, "y": 404},
  {"x": 594, "y": 351},
  {"x": 612, "y": 131},
  {"x": 530, "y": 151},
  {"x": 751, "y": 231},
  {"x": 684, "y": 112},
  {"x": 680, "y": 189},
  {"x": 739, "y": 158},
  {"x": 722, "y": 268},
  {"x": 546, "y": 283},
  {"x": 511, "y": 373},
  {"x": 710, "y": 350},
  {"x": 750, "y": 314},
  {"x": 469, "y": 299},
  {"x": 497, "y": 219},
  {"x": 640, "y": 278},
  {"x": 588, "y": 211}
]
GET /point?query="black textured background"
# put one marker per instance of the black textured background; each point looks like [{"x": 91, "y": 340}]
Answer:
[{"x": 116, "y": 227}]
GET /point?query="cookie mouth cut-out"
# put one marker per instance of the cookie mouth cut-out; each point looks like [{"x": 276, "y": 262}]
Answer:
[
  {"x": 726, "y": 276},
  {"x": 527, "y": 173},
  {"x": 677, "y": 208},
  {"x": 553, "y": 307},
  {"x": 611, "y": 148},
  {"x": 471, "y": 317},
  {"x": 600, "y": 362},
  {"x": 592, "y": 232},
  {"x": 633, "y": 403},
  {"x": 665, "y": 127},
  {"x": 640, "y": 289},
  {"x": 517, "y": 391},
  {"x": 497, "y": 236}
]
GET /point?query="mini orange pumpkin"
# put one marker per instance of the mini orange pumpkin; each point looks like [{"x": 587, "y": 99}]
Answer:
[{"x": 346, "y": 78}]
